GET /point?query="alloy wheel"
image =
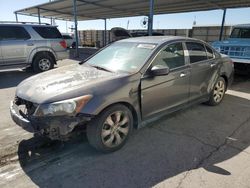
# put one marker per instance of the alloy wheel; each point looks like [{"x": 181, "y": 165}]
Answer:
[
  {"x": 44, "y": 64},
  {"x": 219, "y": 91},
  {"x": 115, "y": 129}
]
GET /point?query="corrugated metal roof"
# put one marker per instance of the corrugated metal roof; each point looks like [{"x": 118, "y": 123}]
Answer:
[{"x": 100, "y": 9}]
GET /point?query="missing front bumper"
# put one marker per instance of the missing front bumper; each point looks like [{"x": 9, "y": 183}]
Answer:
[
  {"x": 54, "y": 127},
  {"x": 19, "y": 119}
]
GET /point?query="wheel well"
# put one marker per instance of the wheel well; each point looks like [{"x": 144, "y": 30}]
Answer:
[
  {"x": 44, "y": 53},
  {"x": 131, "y": 108},
  {"x": 226, "y": 79}
]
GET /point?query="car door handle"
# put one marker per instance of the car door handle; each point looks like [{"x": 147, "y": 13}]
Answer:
[
  {"x": 30, "y": 44},
  {"x": 183, "y": 75},
  {"x": 212, "y": 65}
]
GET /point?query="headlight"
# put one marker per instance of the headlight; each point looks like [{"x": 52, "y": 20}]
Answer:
[{"x": 66, "y": 107}]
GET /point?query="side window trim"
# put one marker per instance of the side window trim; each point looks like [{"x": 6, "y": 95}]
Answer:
[
  {"x": 206, "y": 47},
  {"x": 47, "y": 32},
  {"x": 151, "y": 59},
  {"x": 186, "y": 58},
  {"x": 17, "y": 39},
  {"x": 163, "y": 48},
  {"x": 205, "y": 60},
  {"x": 179, "y": 68}
]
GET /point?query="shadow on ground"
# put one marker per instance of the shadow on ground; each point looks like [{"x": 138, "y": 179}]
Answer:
[
  {"x": 239, "y": 81},
  {"x": 13, "y": 78},
  {"x": 172, "y": 145}
]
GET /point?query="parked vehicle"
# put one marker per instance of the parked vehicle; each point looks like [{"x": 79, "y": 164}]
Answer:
[
  {"x": 23, "y": 45},
  {"x": 68, "y": 39},
  {"x": 119, "y": 33},
  {"x": 237, "y": 46},
  {"x": 124, "y": 86}
]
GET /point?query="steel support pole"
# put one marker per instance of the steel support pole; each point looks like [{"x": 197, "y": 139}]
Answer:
[
  {"x": 16, "y": 17},
  {"x": 76, "y": 30},
  {"x": 222, "y": 24},
  {"x": 51, "y": 20},
  {"x": 150, "y": 17},
  {"x": 39, "y": 16},
  {"x": 67, "y": 27},
  {"x": 105, "y": 32}
]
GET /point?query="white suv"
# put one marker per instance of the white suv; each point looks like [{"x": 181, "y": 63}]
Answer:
[{"x": 23, "y": 45}]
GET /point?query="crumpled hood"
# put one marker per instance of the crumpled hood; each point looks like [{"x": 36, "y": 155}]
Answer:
[{"x": 63, "y": 83}]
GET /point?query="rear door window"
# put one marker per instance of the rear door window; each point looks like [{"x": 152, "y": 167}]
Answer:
[
  {"x": 48, "y": 32},
  {"x": 197, "y": 52},
  {"x": 171, "y": 56},
  {"x": 210, "y": 53},
  {"x": 13, "y": 33}
]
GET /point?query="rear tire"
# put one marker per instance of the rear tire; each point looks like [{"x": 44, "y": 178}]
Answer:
[
  {"x": 43, "y": 62},
  {"x": 110, "y": 130},
  {"x": 218, "y": 92}
]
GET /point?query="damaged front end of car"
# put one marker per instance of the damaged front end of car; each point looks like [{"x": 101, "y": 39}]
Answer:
[{"x": 55, "y": 120}]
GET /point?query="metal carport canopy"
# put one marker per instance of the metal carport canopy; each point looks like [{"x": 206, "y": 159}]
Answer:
[
  {"x": 104, "y": 9},
  {"x": 80, "y": 10}
]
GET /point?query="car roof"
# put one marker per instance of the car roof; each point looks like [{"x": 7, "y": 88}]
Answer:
[
  {"x": 242, "y": 26},
  {"x": 155, "y": 39}
]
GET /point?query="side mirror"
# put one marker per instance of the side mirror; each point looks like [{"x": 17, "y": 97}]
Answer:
[{"x": 159, "y": 70}]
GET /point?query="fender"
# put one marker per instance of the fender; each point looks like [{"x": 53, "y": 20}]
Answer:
[
  {"x": 39, "y": 49},
  {"x": 132, "y": 105},
  {"x": 97, "y": 105}
]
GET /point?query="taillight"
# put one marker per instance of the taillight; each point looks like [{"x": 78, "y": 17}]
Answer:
[{"x": 63, "y": 44}]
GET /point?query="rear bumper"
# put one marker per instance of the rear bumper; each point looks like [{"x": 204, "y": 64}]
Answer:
[
  {"x": 62, "y": 55},
  {"x": 237, "y": 60},
  {"x": 55, "y": 127}
]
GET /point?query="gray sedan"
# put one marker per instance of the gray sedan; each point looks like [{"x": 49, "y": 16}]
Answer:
[{"x": 123, "y": 86}]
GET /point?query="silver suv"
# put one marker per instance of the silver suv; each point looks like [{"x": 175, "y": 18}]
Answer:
[{"x": 23, "y": 45}]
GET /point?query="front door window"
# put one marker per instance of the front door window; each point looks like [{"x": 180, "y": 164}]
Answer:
[{"x": 171, "y": 56}]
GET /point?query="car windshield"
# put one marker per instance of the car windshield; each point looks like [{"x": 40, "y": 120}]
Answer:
[
  {"x": 241, "y": 33},
  {"x": 123, "y": 56}
]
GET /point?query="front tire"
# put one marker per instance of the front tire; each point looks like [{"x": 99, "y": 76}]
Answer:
[
  {"x": 218, "y": 92},
  {"x": 43, "y": 62},
  {"x": 110, "y": 130}
]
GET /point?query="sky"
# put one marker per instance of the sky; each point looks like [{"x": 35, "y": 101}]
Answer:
[{"x": 167, "y": 21}]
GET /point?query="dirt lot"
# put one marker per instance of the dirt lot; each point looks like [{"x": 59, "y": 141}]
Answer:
[{"x": 198, "y": 147}]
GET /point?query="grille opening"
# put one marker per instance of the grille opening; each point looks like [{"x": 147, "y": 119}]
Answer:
[
  {"x": 235, "y": 51},
  {"x": 25, "y": 107}
]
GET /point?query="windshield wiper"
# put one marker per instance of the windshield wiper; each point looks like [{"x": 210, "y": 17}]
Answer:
[
  {"x": 81, "y": 62},
  {"x": 101, "y": 68}
]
